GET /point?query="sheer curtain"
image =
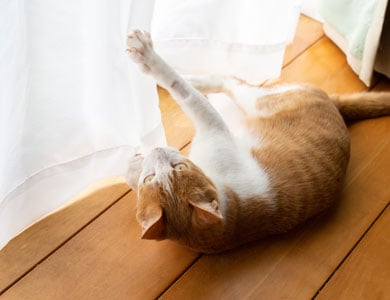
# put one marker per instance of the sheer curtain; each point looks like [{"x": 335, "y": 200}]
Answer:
[
  {"x": 73, "y": 108},
  {"x": 245, "y": 38}
]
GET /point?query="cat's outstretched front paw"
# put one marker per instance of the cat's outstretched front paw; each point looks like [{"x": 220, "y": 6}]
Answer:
[{"x": 140, "y": 49}]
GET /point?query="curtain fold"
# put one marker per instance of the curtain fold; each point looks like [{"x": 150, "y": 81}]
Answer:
[
  {"x": 244, "y": 39},
  {"x": 73, "y": 109}
]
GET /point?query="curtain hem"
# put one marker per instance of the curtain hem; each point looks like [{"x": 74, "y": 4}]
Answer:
[{"x": 25, "y": 205}]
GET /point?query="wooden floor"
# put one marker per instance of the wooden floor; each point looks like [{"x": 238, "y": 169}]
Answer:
[{"x": 92, "y": 249}]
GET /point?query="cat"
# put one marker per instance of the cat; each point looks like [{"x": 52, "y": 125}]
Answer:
[{"x": 262, "y": 160}]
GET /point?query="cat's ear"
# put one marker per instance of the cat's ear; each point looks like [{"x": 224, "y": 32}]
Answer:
[
  {"x": 154, "y": 228},
  {"x": 134, "y": 171},
  {"x": 206, "y": 213},
  {"x": 152, "y": 221}
]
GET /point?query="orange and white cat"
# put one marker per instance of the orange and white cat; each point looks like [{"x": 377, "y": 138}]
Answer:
[{"x": 262, "y": 160}]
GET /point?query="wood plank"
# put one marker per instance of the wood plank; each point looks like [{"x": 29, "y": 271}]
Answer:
[
  {"x": 353, "y": 269},
  {"x": 307, "y": 33},
  {"x": 107, "y": 260},
  {"x": 30, "y": 247},
  {"x": 323, "y": 65},
  {"x": 366, "y": 273},
  {"x": 178, "y": 127}
]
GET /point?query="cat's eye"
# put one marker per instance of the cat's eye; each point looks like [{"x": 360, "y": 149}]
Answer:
[
  {"x": 149, "y": 178},
  {"x": 180, "y": 167}
]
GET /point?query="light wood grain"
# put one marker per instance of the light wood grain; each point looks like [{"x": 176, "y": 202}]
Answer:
[
  {"x": 107, "y": 260},
  {"x": 308, "y": 32},
  {"x": 366, "y": 273},
  {"x": 178, "y": 127},
  {"x": 35, "y": 243},
  {"x": 323, "y": 65}
]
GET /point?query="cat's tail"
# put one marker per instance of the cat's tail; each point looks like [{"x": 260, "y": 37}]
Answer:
[{"x": 363, "y": 105}]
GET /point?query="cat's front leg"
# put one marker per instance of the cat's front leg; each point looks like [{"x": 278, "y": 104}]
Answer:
[
  {"x": 193, "y": 103},
  {"x": 140, "y": 49}
]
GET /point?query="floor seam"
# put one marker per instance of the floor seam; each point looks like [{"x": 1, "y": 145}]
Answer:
[
  {"x": 68, "y": 239},
  {"x": 351, "y": 251}
]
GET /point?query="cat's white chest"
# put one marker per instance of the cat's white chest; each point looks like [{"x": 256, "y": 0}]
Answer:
[
  {"x": 230, "y": 165},
  {"x": 228, "y": 161},
  {"x": 234, "y": 119}
]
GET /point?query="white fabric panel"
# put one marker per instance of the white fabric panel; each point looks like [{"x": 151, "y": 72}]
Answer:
[
  {"x": 243, "y": 38},
  {"x": 73, "y": 108},
  {"x": 310, "y": 9}
]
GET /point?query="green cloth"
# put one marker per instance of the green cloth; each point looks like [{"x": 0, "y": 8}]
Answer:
[{"x": 351, "y": 19}]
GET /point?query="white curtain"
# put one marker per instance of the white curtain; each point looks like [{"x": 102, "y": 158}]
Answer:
[
  {"x": 73, "y": 109},
  {"x": 245, "y": 38}
]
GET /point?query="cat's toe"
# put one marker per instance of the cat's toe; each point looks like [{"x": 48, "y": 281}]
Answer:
[
  {"x": 140, "y": 48},
  {"x": 135, "y": 55},
  {"x": 133, "y": 39},
  {"x": 144, "y": 37},
  {"x": 140, "y": 41}
]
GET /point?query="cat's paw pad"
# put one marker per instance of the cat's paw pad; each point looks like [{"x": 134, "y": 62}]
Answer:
[{"x": 140, "y": 48}]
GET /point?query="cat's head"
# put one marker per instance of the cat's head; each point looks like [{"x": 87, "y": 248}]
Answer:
[{"x": 175, "y": 198}]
